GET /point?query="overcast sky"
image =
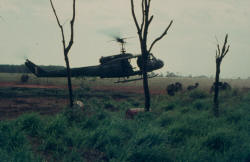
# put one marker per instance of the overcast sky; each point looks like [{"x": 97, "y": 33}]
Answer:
[{"x": 29, "y": 30}]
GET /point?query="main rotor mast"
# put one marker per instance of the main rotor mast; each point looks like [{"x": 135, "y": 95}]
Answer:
[{"x": 122, "y": 42}]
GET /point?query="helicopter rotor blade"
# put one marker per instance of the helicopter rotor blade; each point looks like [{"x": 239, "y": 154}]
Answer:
[
  {"x": 129, "y": 37},
  {"x": 121, "y": 39}
]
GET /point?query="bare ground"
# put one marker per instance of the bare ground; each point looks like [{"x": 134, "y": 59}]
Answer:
[{"x": 13, "y": 107}]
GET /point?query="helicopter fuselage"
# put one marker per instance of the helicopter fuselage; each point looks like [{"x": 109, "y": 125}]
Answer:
[{"x": 115, "y": 66}]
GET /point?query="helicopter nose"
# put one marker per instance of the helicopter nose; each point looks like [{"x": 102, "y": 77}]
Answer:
[{"x": 160, "y": 63}]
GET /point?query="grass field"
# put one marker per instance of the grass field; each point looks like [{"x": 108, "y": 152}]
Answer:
[{"x": 179, "y": 128}]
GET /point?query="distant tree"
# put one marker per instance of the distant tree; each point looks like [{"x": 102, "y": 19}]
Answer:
[
  {"x": 66, "y": 49},
  {"x": 142, "y": 31},
  {"x": 220, "y": 54},
  {"x": 171, "y": 74},
  {"x": 160, "y": 75}
]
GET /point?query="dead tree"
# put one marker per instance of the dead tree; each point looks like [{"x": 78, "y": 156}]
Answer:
[
  {"x": 66, "y": 48},
  {"x": 220, "y": 54},
  {"x": 142, "y": 31}
]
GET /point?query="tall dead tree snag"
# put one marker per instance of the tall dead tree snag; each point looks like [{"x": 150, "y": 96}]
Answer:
[
  {"x": 66, "y": 49},
  {"x": 220, "y": 54},
  {"x": 142, "y": 31}
]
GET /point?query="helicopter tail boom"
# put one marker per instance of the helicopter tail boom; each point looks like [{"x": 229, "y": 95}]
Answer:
[{"x": 75, "y": 72}]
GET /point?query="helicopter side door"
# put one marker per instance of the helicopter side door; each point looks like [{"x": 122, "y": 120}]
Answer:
[{"x": 121, "y": 68}]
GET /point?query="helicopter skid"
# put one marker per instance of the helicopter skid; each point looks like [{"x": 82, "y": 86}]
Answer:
[{"x": 130, "y": 80}]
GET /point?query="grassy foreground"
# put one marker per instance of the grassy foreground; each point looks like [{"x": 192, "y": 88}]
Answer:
[{"x": 180, "y": 128}]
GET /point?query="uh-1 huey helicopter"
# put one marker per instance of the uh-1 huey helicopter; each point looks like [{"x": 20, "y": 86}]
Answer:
[{"x": 114, "y": 66}]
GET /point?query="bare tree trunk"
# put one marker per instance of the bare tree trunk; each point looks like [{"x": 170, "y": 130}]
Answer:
[
  {"x": 146, "y": 89},
  {"x": 69, "y": 81},
  {"x": 145, "y": 56},
  {"x": 67, "y": 48},
  {"x": 220, "y": 54},
  {"x": 216, "y": 90},
  {"x": 142, "y": 31}
]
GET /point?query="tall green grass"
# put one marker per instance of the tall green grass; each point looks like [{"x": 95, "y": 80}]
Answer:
[{"x": 179, "y": 128}]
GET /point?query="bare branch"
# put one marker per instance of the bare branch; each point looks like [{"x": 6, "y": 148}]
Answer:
[
  {"x": 135, "y": 20},
  {"x": 227, "y": 49},
  {"x": 151, "y": 18},
  {"x": 224, "y": 54},
  {"x": 59, "y": 24},
  {"x": 218, "y": 48},
  {"x": 149, "y": 2},
  {"x": 220, "y": 54},
  {"x": 160, "y": 37},
  {"x": 143, "y": 14},
  {"x": 224, "y": 46},
  {"x": 146, "y": 24},
  {"x": 72, "y": 28}
]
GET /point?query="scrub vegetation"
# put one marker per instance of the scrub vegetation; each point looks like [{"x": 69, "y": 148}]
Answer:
[{"x": 178, "y": 128}]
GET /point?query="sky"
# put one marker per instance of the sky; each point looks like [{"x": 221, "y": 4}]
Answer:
[{"x": 28, "y": 29}]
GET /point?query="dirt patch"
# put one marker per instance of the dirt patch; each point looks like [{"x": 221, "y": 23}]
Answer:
[
  {"x": 13, "y": 84},
  {"x": 126, "y": 89},
  {"x": 13, "y": 107}
]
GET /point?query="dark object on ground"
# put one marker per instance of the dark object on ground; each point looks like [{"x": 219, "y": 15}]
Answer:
[
  {"x": 192, "y": 87},
  {"x": 24, "y": 78},
  {"x": 178, "y": 86},
  {"x": 130, "y": 113},
  {"x": 222, "y": 86},
  {"x": 173, "y": 88}
]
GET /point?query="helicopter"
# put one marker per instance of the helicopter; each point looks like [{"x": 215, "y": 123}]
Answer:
[{"x": 114, "y": 66}]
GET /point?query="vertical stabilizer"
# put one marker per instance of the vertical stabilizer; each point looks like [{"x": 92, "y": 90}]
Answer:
[{"x": 39, "y": 72}]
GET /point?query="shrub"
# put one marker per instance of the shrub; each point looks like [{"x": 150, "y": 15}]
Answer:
[
  {"x": 110, "y": 106},
  {"x": 178, "y": 133},
  {"x": 14, "y": 144},
  {"x": 57, "y": 127},
  {"x": 201, "y": 105},
  {"x": 169, "y": 107},
  {"x": 149, "y": 154},
  {"x": 234, "y": 117},
  {"x": 74, "y": 114},
  {"x": 219, "y": 140},
  {"x": 73, "y": 156},
  {"x": 148, "y": 145},
  {"x": 31, "y": 123},
  {"x": 56, "y": 145},
  {"x": 198, "y": 94},
  {"x": 165, "y": 119}
]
